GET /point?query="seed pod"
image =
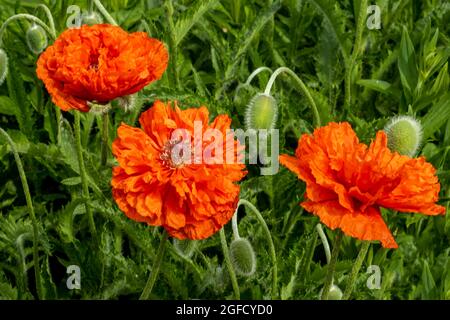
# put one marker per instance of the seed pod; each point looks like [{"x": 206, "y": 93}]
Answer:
[
  {"x": 91, "y": 18},
  {"x": 184, "y": 248},
  {"x": 36, "y": 39},
  {"x": 3, "y": 65},
  {"x": 126, "y": 103},
  {"x": 262, "y": 112},
  {"x": 404, "y": 134},
  {"x": 334, "y": 294},
  {"x": 243, "y": 257}
]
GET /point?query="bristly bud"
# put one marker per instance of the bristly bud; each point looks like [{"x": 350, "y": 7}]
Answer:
[
  {"x": 127, "y": 103},
  {"x": 3, "y": 65},
  {"x": 36, "y": 39},
  {"x": 184, "y": 248},
  {"x": 98, "y": 109},
  {"x": 243, "y": 257},
  {"x": 404, "y": 135},
  {"x": 91, "y": 18},
  {"x": 334, "y": 294},
  {"x": 262, "y": 112}
]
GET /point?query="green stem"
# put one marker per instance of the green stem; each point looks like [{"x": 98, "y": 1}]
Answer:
[
  {"x": 303, "y": 87},
  {"x": 324, "y": 240},
  {"x": 26, "y": 190},
  {"x": 226, "y": 254},
  {"x": 105, "y": 138},
  {"x": 49, "y": 15},
  {"x": 29, "y": 17},
  {"x": 58, "y": 125},
  {"x": 271, "y": 245},
  {"x": 105, "y": 12},
  {"x": 155, "y": 269},
  {"x": 83, "y": 174},
  {"x": 308, "y": 257},
  {"x": 332, "y": 266},
  {"x": 355, "y": 269},
  {"x": 255, "y": 73},
  {"x": 172, "y": 44},
  {"x": 355, "y": 53}
]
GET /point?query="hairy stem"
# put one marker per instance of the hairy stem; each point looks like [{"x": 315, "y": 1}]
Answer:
[
  {"x": 355, "y": 270},
  {"x": 155, "y": 269},
  {"x": 83, "y": 174},
  {"x": 332, "y": 266},
  {"x": 105, "y": 12},
  {"x": 172, "y": 44},
  {"x": 105, "y": 138},
  {"x": 29, "y": 17},
  {"x": 355, "y": 53},
  {"x": 49, "y": 15},
  {"x": 324, "y": 240},
  {"x": 26, "y": 190},
  {"x": 303, "y": 88},
  {"x": 271, "y": 245},
  {"x": 226, "y": 254}
]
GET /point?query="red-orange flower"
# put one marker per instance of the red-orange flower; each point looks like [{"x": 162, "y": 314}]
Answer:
[
  {"x": 347, "y": 182},
  {"x": 99, "y": 63},
  {"x": 190, "y": 197}
]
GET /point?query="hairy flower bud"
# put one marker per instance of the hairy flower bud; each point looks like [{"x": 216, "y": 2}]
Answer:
[
  {"x": 404, "y": 134},
  {"x": 184, "y": 248},
  {"x": 36, "y": 39},
  {"x": 334, "y": 294},
  {"x": 243, "y": 257},
  {"x": 262, "y": 112}
]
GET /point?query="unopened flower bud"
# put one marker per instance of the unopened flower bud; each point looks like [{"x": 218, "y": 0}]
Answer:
[
  {"x": 91, "y": 18},
  {"x": 404, "y": 135},
  {"x": 36, "y": 39},
  {"x": 3, "y": 66},
  {"x": 262, "y": 112},
  {"x": 184, "y": 248},
  {"x": 243, "y": 257},
  {"x": 334, "y": 294}
]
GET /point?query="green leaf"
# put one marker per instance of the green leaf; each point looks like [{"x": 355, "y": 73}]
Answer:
[
  {"x": 18, "y": 94},
  {"x": 190, "y": 17},
  {"x": 377, "y": 85},
  {"x": 7, "y": 106},
  {"x": 436, "y": 117},
  {"x": 407, "y": 64},
  {"x": 71, "y": 181}
]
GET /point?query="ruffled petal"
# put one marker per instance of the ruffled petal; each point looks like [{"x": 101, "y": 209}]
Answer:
[{"x": 368, "y": 225}]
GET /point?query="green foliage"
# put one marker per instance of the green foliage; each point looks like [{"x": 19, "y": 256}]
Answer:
[{"x": 402, "y": 69}]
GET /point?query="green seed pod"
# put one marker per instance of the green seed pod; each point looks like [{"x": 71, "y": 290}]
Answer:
[
  {"x": 184, "y": 248},
  {"x": 334, "y": 294},
  {"x": 262, "y": 112},
  {"x": 36, "y": 39},
  {"x": 3, "y": 66},
  {"x": 404, "y": 134},
  {"x": 91, "y": 18},
  {"x": 126, "y": 103},
  {"x": 243, "y": 257}
]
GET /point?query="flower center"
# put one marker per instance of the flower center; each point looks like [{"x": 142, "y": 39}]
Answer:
[
  {"x": 93, "y": 61},
  {"x": 173, "y": 155}
]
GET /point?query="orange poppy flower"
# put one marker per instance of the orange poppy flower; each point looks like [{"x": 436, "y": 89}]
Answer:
[
  {"x": 347, "y": 182},
  {"x": 99, "y": 63},
  {"x": 189, "y": 198}
]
